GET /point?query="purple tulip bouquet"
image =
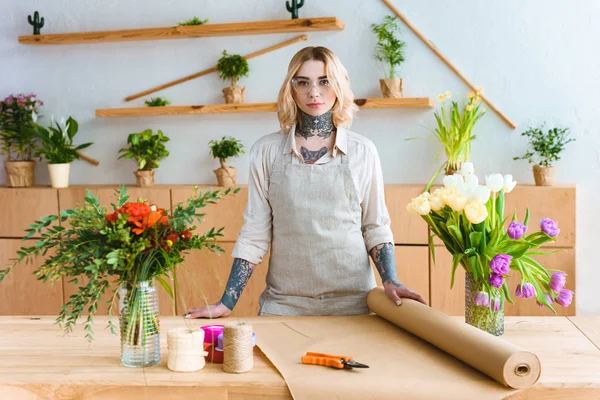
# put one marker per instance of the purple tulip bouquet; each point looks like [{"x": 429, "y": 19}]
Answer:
[{"x": 469, "y": 219}]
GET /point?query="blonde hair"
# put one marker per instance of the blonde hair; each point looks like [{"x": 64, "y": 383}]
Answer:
[{"x": 344, "y": 108}]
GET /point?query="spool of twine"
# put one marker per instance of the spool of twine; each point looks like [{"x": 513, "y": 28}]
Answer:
[
  {"x": 238, "y": 356},
  {"x": 186, "y": 349}
]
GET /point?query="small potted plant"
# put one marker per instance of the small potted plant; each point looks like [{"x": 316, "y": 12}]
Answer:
[
  {"x": 18, "y": 116},
  {"x": 193, "y": 22},
  {"x": 157, "y": 102},
  {"x": 233, "y": 67},
  {"x": 147, "y": 150},
  {"x": 223, "y": 149},
  {"x": 56, "y": 146},
  {"x": 546, "y": 147},
  {"x": 390, "y": 52}
]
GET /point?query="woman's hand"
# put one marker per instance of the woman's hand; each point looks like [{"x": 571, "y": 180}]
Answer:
[
  {"x": 396, "y": 291},
  {"x": 217, "y": 310}
]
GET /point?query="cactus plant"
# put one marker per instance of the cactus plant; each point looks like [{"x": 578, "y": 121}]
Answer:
[
  {"x": 36, "y": 22},
  {"x": 294, "y": 7}
]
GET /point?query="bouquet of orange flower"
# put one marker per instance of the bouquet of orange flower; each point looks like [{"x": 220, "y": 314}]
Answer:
[{"x": 137, "y": 243}]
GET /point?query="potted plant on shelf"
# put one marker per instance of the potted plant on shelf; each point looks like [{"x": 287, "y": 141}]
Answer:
[
  {"x": 547, "y": 147},
  {"x": 157, "y": 102},
  {"x": 193, "y": 22},
  {"x": 56, "y": 146},
  {"x": 137, "y": 243},
  {"x": 233, "y": 67},
  {"x": 18, "y": 116},
  {"x": 147, "y": 150},
  {"x": 390, "y": 52},
  {"x": 469, "y": 219},
  {"x": 226, "y": 148}
]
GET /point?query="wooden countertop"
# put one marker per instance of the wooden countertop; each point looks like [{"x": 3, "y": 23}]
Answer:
[{"x": 38, "y": 362}]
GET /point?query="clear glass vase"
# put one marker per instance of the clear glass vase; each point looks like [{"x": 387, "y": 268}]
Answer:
[
  {"x": 139, "y": 325},
  {"x": 481, "y": 317}
]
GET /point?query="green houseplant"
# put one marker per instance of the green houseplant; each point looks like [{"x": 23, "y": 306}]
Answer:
[
  {"x": 56, "y": 146},
  {"x": 157, "y": 102},
  {"x": 233, "y": 67},
  {"x": 123, "y": 253},
  {"x": 18, "y": 117},
  {"x": 390, "y": 52},
  {"x": 546, "y": 147},
  {"x": 222, "y": 150},
  {"x": 147, "y": 150},
  {"x": 193, "y": 22}
]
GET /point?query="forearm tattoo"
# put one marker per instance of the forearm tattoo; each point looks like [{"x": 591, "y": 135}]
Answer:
[
  {"x": 312, "y": 156},
  {"x": 383, "y": 257},
  {"x": 241, "y": 270},
  {"x": 310, "y": 125}
]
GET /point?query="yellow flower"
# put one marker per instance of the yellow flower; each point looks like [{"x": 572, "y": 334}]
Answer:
[
  {"x": 420, "y": 204},
  {"x": 456, "y": 201},
  {"x": 480, "y": 90},
  {"x": 483, "y": 110},
  {"x": 448, "y": 94},
  {"x": 441, "y": 97},
  {"x": 169, "y": 243},
  {"x": 476, "y": 212},
  {"x": 471, "y": 95},
  {"x": 469, "y": 107},
  {"x": 436, "y": 203}
]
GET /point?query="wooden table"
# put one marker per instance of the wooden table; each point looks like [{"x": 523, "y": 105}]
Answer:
[{"x": 38, "y": 362}]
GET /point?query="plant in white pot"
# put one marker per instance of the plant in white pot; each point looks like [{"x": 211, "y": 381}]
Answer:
[
  {"x": 18, "y": 141},
  {"x": 223, "y": 149},
  {"x": 233, "y": 67},
  {"x": 56, "y": 146},
  {"x": 390, "y": 52},
  {"x": 546, "y": 147},
  {"x": 147, "y": 150}
]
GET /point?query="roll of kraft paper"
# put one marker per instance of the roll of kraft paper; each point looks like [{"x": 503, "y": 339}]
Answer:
[{"x": 505, "y": 362}]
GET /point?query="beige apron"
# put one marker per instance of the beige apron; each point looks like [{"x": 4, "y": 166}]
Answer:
[{"x": 319, "y": 263}]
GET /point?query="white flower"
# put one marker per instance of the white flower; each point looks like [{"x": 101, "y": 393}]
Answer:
[
  {"x": 471, "y": 181},
  {"x": 494, "y": 182},
  {"x": 457, "y": 201},
  {"x": 34, "y": 116},
  {"x": 420, "y": 204},
  {"x": 476, "y": 212},
  {"x": 453, "y": 181},
  {"x": 481, "y": 194},
  {"x": 436, "y": 203},
  {"x": 466, "y": 169},
  {"x": 509, "y": 184}
]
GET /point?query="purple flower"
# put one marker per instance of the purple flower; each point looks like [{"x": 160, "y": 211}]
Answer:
[
  {"x": 481, "y": 299},
  {"x": 495, "y": 304},
  {"x": 565, "y": 297},
  {"x": 500, "y": 264},
  {"x": 549, "y": 227},
  {"x": 496, "y": 280},
  {"x": 548, "y": 298},
  {"x": 516, "y": 230},
  {"x": 557, "y": 281},
  {"x": 526, "y": 291}
]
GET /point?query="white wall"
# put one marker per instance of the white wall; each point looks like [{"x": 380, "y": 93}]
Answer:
[{"x": 538, "y": 61}]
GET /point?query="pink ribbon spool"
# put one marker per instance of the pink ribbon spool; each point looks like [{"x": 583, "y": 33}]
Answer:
[{"x": 211, "y": 333}]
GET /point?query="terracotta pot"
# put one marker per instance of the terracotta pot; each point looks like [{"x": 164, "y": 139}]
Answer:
[
  {"x": 59, "y": 175},
  {"x": 144, "y": 177},
  {"x": 19, "y": 173},
  {"x": 226, "y": 176},
  {"x": 544, "y": 176},
  {"x": 234, "y": 94},
  {"x": 391, "y": 88}
]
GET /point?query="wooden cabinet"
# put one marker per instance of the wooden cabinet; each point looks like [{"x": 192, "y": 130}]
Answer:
[
  {"x": 452, "y": 301},
  {"x": 406, "y": 227},
  {"x": 21, "y": 293},
  {"x": 24, "y": 206}
]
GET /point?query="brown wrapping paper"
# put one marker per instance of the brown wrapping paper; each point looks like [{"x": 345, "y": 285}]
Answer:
[
  {"x": 500, "y": 360},
  {"x": 402, "y": 364}
]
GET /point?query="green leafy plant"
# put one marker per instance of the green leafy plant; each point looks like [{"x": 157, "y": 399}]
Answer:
[
  {"x": 137, "y": 242},
  {"x": 547, "y": 146},
  {"x": 157, "y": 102},
  {"x": 193, "y": 21},
  {"x": 56, "y": 144},
  {"x": 18, "y": 117},
  {"x": 226, "y": 148},
  {"x": 390, "y": 49},
  {"x": 232, "y": 66},
  {"x": 146, "y": 149}
]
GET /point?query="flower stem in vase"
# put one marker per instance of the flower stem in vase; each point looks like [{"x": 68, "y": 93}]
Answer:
[{"x": 488, "y": 313}]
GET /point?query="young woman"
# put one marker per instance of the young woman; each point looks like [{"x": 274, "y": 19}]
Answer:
[{"x": 315, "y": 196}]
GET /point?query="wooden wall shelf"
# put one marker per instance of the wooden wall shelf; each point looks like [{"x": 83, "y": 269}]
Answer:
[
  {"x": 186, "y": 32},
  {"x": 406, "y": 102}
]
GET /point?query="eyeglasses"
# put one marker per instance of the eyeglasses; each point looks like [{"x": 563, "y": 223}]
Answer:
[{"x": 304, "y": 86}]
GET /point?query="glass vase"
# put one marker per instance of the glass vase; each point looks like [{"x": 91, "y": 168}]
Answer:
[
  {"x": 139, "y": 324},
  {"x": 481, "y": 317}
]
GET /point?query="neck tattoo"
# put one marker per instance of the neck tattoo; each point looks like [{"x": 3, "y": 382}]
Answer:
[
  {"x": 310, "y": 156},
  {"x": 309, "y": 126}
]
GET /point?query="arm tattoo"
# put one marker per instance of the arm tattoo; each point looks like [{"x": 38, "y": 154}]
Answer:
[
  {"x": 241, "y": 270},
  {"x": 383, "y": 257},
  {"x": 310, "y": 156}
]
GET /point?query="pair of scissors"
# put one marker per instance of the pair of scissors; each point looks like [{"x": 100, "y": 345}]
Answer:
[{"x": 328, "y": 360}]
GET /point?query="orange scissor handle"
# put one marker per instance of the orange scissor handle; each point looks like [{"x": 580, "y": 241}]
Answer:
[{"x": 326, "y": 360}]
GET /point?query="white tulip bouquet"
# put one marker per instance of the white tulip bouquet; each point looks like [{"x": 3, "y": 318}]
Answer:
[{"x": 469, "y": 219}]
